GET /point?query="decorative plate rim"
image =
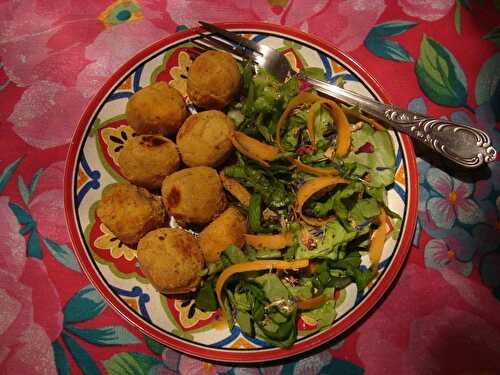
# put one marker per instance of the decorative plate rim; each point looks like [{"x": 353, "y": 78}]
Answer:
[{"x": 226, "y": 355}]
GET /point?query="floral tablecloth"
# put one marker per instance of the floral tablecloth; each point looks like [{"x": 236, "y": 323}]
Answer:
[{"x": 441, "y": 57}]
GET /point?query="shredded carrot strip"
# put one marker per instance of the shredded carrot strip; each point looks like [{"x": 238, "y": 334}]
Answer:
[
  {"x": 241, "y": 194},
  {"x": 343, "y": 142},
  {"x": 378, "y": 240},
  {"x": 264, "y": 151},
  {"x": 330, "y": 171},
  {"x": 360, "y": 116},
  {"x": 258, "y": 265},
  {"x": 253, "y": 149},
  {"x": 311, "y": 114},
  {"x": 312, "y": 303},
  {"x": 236, "y": 189},
  {"x": 304, "y": 98},
  {"x": 269, "y": 241},
  {"x": 310, "y": 188}
]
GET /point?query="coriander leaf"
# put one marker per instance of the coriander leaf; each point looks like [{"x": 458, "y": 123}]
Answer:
[
  {"x": 335, "y": 239},
  {"x": 351, "y": 261},
  {"x": 380, "y": 164},
  {"x": 323, "y": 315},
  {"x": 363, "y": 277},
  {"x": 273, "y": 287},
  {"x": 254, "y": 211},
  {"x": 323, "y": 125},
  {"x": 363, "y": 212},
  {"x": 235, "y": 255},
  {"x": 338, "y": 202},
  {"x": 301, "y": 291},
  {"x": 267, "y": 254},
  {"x": 283, "y": 335},
  {"x": 241, "y": 301},
  {"x": 294, "y": 127},
  {"x": 205, "y": 297},
  {"x": 273, "y": 191},
  {"x": 244, "y": 320}
]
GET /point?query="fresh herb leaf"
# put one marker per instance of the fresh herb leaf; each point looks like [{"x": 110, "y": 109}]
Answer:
[
  {"x": 235, "y": 255},
  {"x": 323, "y": 315},
  {"x": 254, "y": 213},
  {"x": 273, "y": 191},
  {"x": 273, "y": 287},
  {"x": 205, "y": 297},
  {"x": 244, "y": 320},
  {"x": 364, "y": 212}
]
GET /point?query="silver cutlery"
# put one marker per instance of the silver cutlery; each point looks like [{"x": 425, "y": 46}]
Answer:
[{"x": 464, "y": 145}]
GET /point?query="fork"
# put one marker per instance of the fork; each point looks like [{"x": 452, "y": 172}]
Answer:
[{"x": 464, "y": 145}]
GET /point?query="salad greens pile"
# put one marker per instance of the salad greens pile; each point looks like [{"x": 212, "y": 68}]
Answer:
[{"x": 267, "y": 304}]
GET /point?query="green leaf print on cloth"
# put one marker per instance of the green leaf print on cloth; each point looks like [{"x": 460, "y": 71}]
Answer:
[
  {"x": 494, "y": 36},
  {"x": 131, "y": 363},
  {"x": 377, "y": 43},
  {"x": 488, "y": 84},
  {"x": 439, "y": 75}
]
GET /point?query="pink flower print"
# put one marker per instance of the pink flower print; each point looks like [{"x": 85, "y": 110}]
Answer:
[
  {"x": 31, "y": 315},
  {"x": 26, "y": 342},
  {"x": 347, "y": 23},
  {"x": 400, "y": 337},
  {"x": 353, "y": 19},
  {"x": 482, "y": 195},
  {"x": 12, "y": 244},
  {"x": 452, "y": 201},
  {"x": 427, "y": 10},
  {"x": 113, "y": 47},
  {"x": 47, "y": 114},
  {"x": 268, "y": 370},
  {"x": 155, "y": 11},
  {"x": 453, "y": 341},
  {"x": 193, "y": 366},
  {"x": 312, "y": 364},
  {"x": 44, "y": 40},
  {"x": 439, "y": 254},
  {"x": 189, "y": 12},
  {"x": 47, "y": 207}
]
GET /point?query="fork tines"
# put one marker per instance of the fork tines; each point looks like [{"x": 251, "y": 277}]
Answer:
[
  {"x": 229, "y": 36},
  {"x": 210, "y": 43}
]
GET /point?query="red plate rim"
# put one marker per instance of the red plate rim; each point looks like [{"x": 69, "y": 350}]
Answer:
[{"x": 258, "y": 355}]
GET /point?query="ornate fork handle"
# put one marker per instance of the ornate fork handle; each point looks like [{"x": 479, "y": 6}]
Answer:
[
  {"x": 462, "y": 144},
  {"x": 467, "y": 146}
]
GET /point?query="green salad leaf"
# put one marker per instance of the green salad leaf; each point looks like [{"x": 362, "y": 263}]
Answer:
[
  {"x": 264, "y": 303},
  {"x": 363, "y": 212},
  {"x": 234, "y": 254},
  {"x": 273, "y": 287},
  {"x": 323, "y": 315},
  {"x": 340, "y": 202},
  {"x": 375, "y": 152},
  {"x": 323, "y": 124},
  {"x": 295, "y": 125},
  {"x": 336, "y": 238},
  {"x": 254, "y": 211},
  {"x": 273, "y": 191},
  {"x": 205, "y": 297}
]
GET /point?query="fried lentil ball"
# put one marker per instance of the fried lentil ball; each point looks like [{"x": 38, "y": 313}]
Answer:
[
  {"x": 213, "y": 80},
  {"x": 204, "y": 139},
  {"x": 146, "y": 160},
  {"x": 156, "y": 109},
  {"x": 228, "y": 229},
  {"x": 171, "y": 260},
  {"x": 194, "y": 195},
  {"x": 130, "y": 212}
]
